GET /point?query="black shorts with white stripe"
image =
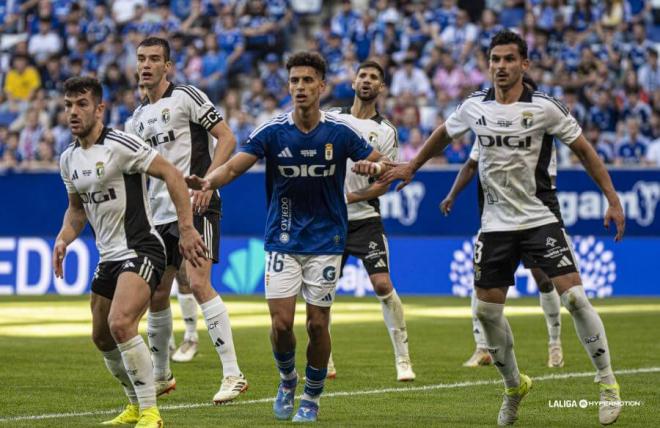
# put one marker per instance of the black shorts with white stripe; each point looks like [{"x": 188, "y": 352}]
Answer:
[
  {"x": 366, "y": 240},
  {"x": 148, "y": 267},
  {"x": 208, "y": 226}
]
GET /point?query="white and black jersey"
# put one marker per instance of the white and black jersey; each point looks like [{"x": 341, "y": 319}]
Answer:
[
  {"x": 177, "y": 126},
  {"x": 109, "y": 178},
  {"x": 515, "y": 152},
  {"x": 382, "y": 136}
]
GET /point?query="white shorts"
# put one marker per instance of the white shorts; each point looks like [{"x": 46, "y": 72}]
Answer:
[{"x": 316, "y": 275}]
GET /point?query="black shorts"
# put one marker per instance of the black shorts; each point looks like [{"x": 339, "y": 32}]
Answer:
[
  {"x": 208, "y": 226},
  {"x": 149, "y": 267},
  {"x": 498, "y": 254},
  {"x": 366, "y": 240}
]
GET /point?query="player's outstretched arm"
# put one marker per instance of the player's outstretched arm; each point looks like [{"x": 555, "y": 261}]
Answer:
[
  {"x": 464, "y": 176},
  {"x": 223, "y": 150},
  {"x": 374, "y": 165},
  {"x": 375, "y": 190},
  {"x": 190, "y": 243},
  {"x": 433, "y": 146},
  {"x": 72, "y": 224},
  {"x": 224, "y": 174},
  {"x": 596, "y": 169}
]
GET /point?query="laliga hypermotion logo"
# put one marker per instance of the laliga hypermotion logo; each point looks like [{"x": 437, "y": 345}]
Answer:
[{"x": 595, "y": 262}]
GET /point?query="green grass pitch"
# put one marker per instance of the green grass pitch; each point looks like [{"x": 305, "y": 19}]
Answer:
[{"x": 52, "y": 376}]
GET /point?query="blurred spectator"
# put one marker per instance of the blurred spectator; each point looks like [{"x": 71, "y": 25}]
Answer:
[
  {"x": 123, "y": 11},
  {"x": 22, "y": 79},
  {"x": 458, "y": 151},
  {"x": 653, "y": 154},
  {"x": 101, "y": 26},
  {"x": 242, "y": 126},
  {"x": 649, "y": 73},
  {"x": 632, "y": 148},
  {"x": 407, "y": 152},
  {"x": 30, "y": 135},
  {"x": 449, "y": 77},
  {"x": 258, "y": 29},
  {"x": 269, "y": 109},
  {"x": 44, "y": 44},
  {"x": 214, "y": 70},
  {"x": 460, "y": 38},
  {"x": 410, "y": 78},
  {"x": 275, "y": 77}
]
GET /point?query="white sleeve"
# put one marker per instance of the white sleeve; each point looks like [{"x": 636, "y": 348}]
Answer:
[
  {"x": 64, "y": 172},
  {"x": 456, "y": 124},
  {"x": 132, "y": 153},
  {"x": 199, "y": 107},
  {"x": 390, "y": 146},
  {"x": 474, "y": 152},
  {"x": 560, "y": 123}
]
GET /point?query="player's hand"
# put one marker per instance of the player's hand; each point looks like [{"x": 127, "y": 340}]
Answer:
[
  {"x": 446, "y": 205},
  {"x": 59, "y": 252},
  {"x": 192, "y": 246},
  {"x": 615, "y": 213},
  {"x": 368, "y": 168},
  {"x": 197, "y": 183},
  {"x": 403, "y": 172},
  {"x": 200, "y": 200}
]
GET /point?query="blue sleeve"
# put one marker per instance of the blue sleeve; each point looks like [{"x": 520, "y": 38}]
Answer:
[
  {"x": 256, "y": 143},
  {"x": 358, "y": 148}
]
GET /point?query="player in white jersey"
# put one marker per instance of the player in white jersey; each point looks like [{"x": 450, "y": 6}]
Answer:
[
  {"x": 548, "y": 296},
  {"x": 180, "y": 123},
  {"x": 104, "y": 175},
  {"x": 188, "y": 349},
  {"x": 366, "y": 235},
  {"x": 520, "y": 218}
]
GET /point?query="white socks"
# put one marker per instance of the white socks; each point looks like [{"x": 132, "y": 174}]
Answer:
[
  {"x": 500, "y": 341},
  {"x": 590, "y": 331},
  {"x": 396, "y": 324},
  {"x": 477, "y": 329},
  {"x": 137, "y": 362},
  {"x": 159, "y": 331},
  {"x": 551, "y": 307},
  {"x": 116, "y": 367},
  {"x": 217, "y": 322},
  {"x": 189, "y": 312}
]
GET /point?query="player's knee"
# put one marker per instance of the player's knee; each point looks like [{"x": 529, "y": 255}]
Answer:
[
  {"x": 488, "y": 313},
  {"x": 282, "y": 326},
  {"x": 575, "y": 299},
  {"x": 121, "y": 327},
  {"x": 316, "y": 327},
  {"x": 382, "y": 285},
  {"x": 545, "y": 285},
  {"x": 103, "y": 341}
]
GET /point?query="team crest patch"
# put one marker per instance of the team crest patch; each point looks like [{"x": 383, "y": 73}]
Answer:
[
  {"x": 373, "y": 138},
  {"x": 100, "y": 169},
  {"x": 165, "y": 115},
  {"x": 328, "y": 151},
  {"x": 527, "y": 119}
]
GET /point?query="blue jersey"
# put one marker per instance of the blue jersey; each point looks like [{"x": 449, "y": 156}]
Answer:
[{"x": 305, "y": 176}]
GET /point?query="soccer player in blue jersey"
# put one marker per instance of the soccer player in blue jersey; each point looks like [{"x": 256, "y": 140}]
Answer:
[{"x": 306, "y": 152}]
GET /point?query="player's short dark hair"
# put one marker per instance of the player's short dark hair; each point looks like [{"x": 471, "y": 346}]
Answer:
[
  {"x": 372, "y": 64},
  {"x": 308, "y": 59},
  {"x": 157, "y": 41},
  {"x": 507, "y": 37},
  {"x": 81, "y": 84}
]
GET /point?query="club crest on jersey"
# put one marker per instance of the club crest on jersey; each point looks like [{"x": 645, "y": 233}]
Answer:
[
  {"x": 328, "y": 151},
  {"x": 100, "y": 169},
  {"x": 373, "y": 138},
  {"x": 165, "y": 115},
  {"x": 527, "y": 119}
]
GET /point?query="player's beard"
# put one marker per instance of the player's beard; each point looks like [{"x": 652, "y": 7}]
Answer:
[
  {"x": 372, "y": 95},
  {"x": 86, "y": 130}
]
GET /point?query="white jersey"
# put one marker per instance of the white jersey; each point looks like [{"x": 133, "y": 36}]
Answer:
[
  {"x": 109, "y": 178},
  {"x": 516, "y": 145},
  {"x": 177, "y": 127},
  {"x": 382, "y": 136}
]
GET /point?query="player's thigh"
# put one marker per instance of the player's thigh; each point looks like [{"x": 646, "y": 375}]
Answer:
[
  {"x": 131, "y": 299},
  {"x": 182, "y": 280},
  {"x": 283, "y": 275},
  {"x": 549, "y": 249},
  {"x": 492, "y": 294},
  {"x": 320, "y": 274},
  {"x": 495, "y": 259},
  {"x": 160, "y": 300}
]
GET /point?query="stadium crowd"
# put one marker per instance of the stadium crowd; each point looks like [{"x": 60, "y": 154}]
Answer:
[{"x": 599, "y": 57}]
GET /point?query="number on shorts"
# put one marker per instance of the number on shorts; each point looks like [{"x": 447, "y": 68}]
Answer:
[
  {"x": 278, "y": 262},
  {"x": 478, "y": 246}
]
